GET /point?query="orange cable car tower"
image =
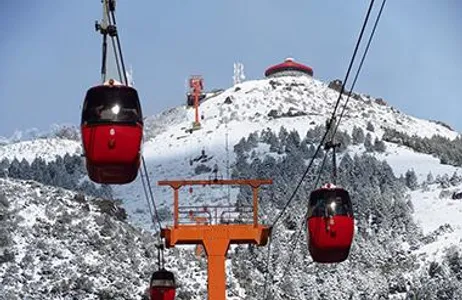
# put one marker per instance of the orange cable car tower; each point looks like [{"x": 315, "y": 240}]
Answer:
[
  {"x": 196, "y": 84},
  {"x": 220, "y": 232}
]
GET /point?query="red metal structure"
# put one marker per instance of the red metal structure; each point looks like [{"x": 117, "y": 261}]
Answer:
[
  {"x": 289, "y": 65},
  {"x": 221, "y": 230},
  {"x": 196, "y": 84},
  {"x": 330, "y": 224},
  {"x": 112, "y": 132}
]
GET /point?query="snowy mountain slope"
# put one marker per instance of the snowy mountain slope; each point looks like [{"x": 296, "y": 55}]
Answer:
[
  {"x": 433, "y": 209},
  {"x": 402, "y": 159},
  {"x": 253, "y": 101},
  {"x": 55, "y": 244},
  {"x": 295, "y": 103},
  {"x": 53, "y": 240},
  {"x": 63, "y": 130},
  {"x": 47, "y": 149}
]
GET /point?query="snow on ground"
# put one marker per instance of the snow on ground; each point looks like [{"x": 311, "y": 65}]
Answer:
[
  {"x": 293, "y": 102},
  {"x": 402, "y": 159},
  {"x": 431, "y": 212},
  {"x": 246, "y": 108}
]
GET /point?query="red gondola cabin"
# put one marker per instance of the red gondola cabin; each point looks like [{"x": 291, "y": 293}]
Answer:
[
  {"x": 112, "y": 133},
  {"x": 162, "y": 285},
  {"x": 330, "y": 224}
]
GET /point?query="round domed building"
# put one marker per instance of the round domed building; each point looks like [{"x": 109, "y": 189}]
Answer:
[{"x": 288, "y": 68}]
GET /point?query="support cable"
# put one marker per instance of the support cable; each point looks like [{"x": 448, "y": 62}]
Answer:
[
  {"x": 119, "y": 46},
  {"x": 361, "y": 63},
  {"x": 151, "y": 193},
  {"x": 295, "y": 243},
  {"x": 147, "y": 199}
]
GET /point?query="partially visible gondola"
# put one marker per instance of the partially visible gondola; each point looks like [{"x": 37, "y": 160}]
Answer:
[{"x": 162, "y": 286}]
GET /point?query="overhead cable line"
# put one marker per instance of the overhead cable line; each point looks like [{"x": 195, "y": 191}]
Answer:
[
  {"x": 148, "y": 199},
  {"x": 361, "y": 63},
  {"x": 151, "y": 193},
  {"x": 294, "y": 243},
  {"x": 111, "y": 10}
]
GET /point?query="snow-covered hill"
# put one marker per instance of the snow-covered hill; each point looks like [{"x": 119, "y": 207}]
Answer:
[
  {"x": 56, "y": 244},
  {"x": 296, "y": 103},
  {"x": 46, "y": 148},
  {"x": 436, "y": 211}
]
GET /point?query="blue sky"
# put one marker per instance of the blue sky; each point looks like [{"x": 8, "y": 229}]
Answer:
[{"x": 50, "y": 54}]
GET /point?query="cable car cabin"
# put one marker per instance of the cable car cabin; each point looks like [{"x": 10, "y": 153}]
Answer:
[
  {"x": 162, "y": 285},
  {"x": 190, "y": 98},
  {"x": 112, "y": 132},
  {"x": 330, "y": 224}
]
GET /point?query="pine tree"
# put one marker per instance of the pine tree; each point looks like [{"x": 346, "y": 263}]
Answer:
[
  {"x": 292, "y": 142},
  {"x": 25, "y": 170},
  {"x": 252, "y": 141},
  {"x": 358, "y": 136},
  {"x": 283, "y": 136},
  {"x": 370, "y": 127},
  {"x": 4, "y": 165},
  {"x": 368, "y": 143},
  {"x": 239, "y": 148},
  {"x": 443, "y": 181},
  {"x": 411, "y": 179},
  {"x": 430, "y": 178},
  {"x": 455, "y": 179},
  {"x": 268, "y": 137},
  {"x": 305, "y": 150},
  {"x": 315, "y": 135},
  {"x": 379, "y": 145},
  {"x": 14, "y": 170}
]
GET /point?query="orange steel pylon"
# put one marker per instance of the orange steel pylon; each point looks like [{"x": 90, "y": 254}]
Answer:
[
  {"x": 199, "y": 221},
  {"x": 196, "y": 83},
  {"x": 217, "y": 235}
]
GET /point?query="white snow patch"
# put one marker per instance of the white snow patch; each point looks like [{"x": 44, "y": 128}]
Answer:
[
  {"x": 431, "y": 212},
  {"x": 402, "y": 159}
]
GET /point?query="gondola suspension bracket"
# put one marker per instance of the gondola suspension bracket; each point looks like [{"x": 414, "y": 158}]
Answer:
[{"x": 331, "y": 144}]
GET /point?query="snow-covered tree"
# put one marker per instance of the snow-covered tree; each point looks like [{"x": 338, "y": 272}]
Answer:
[
  {"x": 14, "y": 170},
  {"x": 4, "y": 165},
  {"x": 368, "y": 143},
  {"x": 358, "y": 136},
  {"x": 411, "y": 179},
  {"x": 370, "y": 127},
  {"x": 379, "y": 145}
]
